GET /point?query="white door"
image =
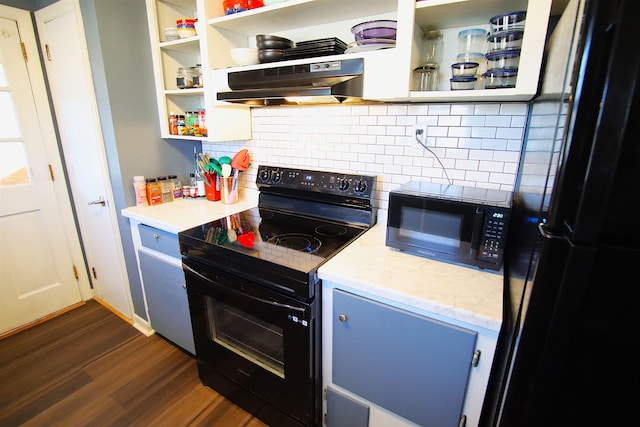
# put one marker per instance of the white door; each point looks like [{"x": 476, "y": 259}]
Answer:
[
  {"x": 40, "y": 253},
  {"x": 66, "y": 60}
]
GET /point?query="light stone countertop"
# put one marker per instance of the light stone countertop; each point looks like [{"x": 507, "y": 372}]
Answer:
[
  {"x": 187, "y": 213},
  {"x": 465, "y": 294}
]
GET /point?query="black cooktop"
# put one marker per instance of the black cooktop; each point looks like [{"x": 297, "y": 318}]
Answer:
[
  {"x": 303, "y": 218},
  {"x": 289, "y": 240}
]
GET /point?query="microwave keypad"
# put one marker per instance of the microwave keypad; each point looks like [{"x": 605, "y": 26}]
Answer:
[{"x": 492, "y": 245}]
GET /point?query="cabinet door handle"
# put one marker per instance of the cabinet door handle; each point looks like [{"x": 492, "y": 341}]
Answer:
[
  {"x": 156, "y": 236},
  {"x": 343, "y": 317},
  {"x": 184, "y": 286}
]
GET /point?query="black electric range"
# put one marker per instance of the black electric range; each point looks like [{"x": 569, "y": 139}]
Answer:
[{"x": 254, "y": 292}]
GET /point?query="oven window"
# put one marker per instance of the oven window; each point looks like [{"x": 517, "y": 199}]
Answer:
[
  {"x": 431, "y": 226},
  {"x": 254, "y": 339}
]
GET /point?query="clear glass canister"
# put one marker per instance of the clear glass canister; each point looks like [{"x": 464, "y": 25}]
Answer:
[
  {"x": 425, "y": 77},
  {"x": 184, "y": 80},
  {"x": 196, "y": 73},
  {"x": 432, "y": 47}
]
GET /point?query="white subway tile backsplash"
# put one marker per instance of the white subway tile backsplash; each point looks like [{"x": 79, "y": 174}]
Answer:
[{"x": 479, "y": 144}]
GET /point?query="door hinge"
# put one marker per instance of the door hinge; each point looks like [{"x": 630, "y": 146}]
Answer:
[
  {"x": 93, "y": 270},
  {"x": 46, "y": 48},
  {"x": 75, "y": 272},
  {"x": 476, "y": 358},
  {"x": 53, "y": 177},
  {"x": 463, "y": 421},
  {"x": 24, "y": 52}
]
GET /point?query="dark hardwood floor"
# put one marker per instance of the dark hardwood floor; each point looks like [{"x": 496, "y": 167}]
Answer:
[{"x": 88, "y": 367}]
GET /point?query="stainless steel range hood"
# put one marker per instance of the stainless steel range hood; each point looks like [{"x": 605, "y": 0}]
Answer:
[{"x": 315, "y": 83}]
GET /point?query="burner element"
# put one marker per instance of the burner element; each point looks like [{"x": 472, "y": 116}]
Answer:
[
  {"x": 297, "y": 241},
  {"x": 330, "y": 230}
]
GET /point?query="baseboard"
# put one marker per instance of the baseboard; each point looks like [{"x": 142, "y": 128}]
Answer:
[{"x": 142, "y": 325}]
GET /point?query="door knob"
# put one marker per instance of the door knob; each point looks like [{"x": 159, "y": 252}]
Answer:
[
  {"x": 343, "y": 317},
  {"x": 99, "y": 201}
]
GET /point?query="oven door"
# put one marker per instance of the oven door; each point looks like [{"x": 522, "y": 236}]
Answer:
[{"x": 253, "y": 342}]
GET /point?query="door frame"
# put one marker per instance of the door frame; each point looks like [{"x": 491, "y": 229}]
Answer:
[{"x": 123, "y": 307}]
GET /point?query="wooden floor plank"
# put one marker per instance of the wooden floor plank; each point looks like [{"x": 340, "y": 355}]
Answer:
[{"x": 88, "y": 367}]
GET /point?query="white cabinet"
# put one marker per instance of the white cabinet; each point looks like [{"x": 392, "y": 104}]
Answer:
[
  {"x": 223, "y": 122},
  {"x": 388, "y": 72},
  {"x": 384, "y": 364}
]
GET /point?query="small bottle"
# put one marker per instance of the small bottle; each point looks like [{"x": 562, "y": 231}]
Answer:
[
  {"x": 140, "y": 188},
  {"x": 177, "y": 187},
  {"x": 173, "y": 124},
  {"x": 202, "y": 122},
  {"x": 154, "y": 193},
  {"x": 181, "y": 125},
  {"x": 193, "y": 190},
  {"x": 166, "y": 188}
]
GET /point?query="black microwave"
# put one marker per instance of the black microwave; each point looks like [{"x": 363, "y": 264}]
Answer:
[{"x": 450, "y": 223}]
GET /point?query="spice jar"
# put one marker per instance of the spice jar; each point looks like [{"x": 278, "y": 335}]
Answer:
[{"x": 184, "y": 80}]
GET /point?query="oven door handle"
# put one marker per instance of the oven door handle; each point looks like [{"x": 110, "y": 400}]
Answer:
[{"x": 253, "y": 297}]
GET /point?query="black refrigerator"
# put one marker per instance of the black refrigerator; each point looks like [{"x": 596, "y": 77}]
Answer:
[{"x": 566, "y": 354}]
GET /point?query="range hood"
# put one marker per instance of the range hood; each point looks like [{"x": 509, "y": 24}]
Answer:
[{"x": 315, "y": 83}]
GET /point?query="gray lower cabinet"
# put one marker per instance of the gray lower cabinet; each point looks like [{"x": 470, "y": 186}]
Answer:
[
  {"x": 166, "y": 296},
  {"x": 411, "y": 365}
]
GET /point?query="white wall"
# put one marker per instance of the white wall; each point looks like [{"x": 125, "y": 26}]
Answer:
[{"x": 479, "y": 144}]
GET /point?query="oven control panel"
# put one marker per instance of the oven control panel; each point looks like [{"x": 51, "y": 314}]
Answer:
[{"x": 317, "y": 181}]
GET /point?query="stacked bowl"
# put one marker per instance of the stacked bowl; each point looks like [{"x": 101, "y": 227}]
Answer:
[
  {"x": 271, "y": 48},
  {"x": 503, "y": 57},
  {"x": 472, "y": 44},
  {"x": 373, "y": 35}
]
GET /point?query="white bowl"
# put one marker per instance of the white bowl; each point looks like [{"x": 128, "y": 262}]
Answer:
[{"x": 245, "y": 56}]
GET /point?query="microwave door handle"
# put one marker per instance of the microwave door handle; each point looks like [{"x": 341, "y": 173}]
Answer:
[
  {"x": 478, "y": 222},
  {"x": 253, "y": 297}
]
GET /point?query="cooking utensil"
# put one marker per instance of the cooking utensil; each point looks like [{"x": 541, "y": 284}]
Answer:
[
  {"x": 226, "y": 170},
  {"x": 247, "y": 239},
  {"x": 241, "y": 160},
  {"x": 225, "y": 160},
  {"x": 215, "y": 166}
]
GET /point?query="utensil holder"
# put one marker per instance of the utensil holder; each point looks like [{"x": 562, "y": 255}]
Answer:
[
  {"x": 228, "y": 195},
  {"x": 212, "y": 189}
]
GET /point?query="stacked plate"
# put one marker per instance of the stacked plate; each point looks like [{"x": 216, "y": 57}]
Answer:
[{"x": 313, "y": 48}]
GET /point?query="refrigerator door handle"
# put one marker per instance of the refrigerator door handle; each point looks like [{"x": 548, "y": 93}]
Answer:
[{"x": 547, "y": 233}]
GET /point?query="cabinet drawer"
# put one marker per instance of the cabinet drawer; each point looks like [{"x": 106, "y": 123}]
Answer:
[{"x": 159, "y": 240}]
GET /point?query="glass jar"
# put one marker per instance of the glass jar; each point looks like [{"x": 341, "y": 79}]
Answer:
[
  {"x": 196, "y": 75},
  {"x": 184, "y": 79},
  {"x": 425, "y": 77},
  {"x": 432, "y": 47}
]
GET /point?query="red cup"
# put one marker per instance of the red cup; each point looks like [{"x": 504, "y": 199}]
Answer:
[{"x": 212, "y": 187}]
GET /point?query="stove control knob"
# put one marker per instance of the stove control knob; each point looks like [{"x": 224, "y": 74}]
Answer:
[
  {"x": 263, "y": 175},
  {"x": 343, "y": 185},
  {"x": 360, "y": 186},
  {"x": 276, "y": 176}
]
